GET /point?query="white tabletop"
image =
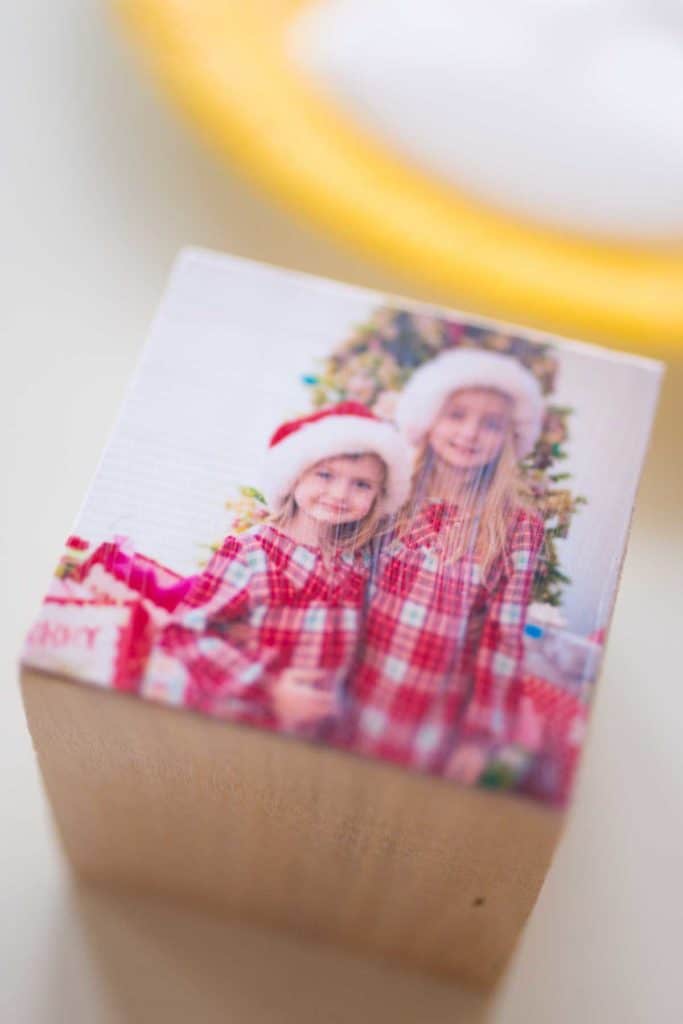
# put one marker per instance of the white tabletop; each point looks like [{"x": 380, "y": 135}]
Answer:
[{"x": 101, "y": 186}]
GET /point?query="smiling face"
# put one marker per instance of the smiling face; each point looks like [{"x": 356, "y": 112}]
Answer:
[
  {"x": 340, "y": 490},
  {"x": 471, "y": 428}
]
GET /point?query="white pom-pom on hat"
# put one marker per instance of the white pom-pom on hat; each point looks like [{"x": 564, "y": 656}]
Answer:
[
  {"x": 425, "y": 393},
  {"x": 347, "y": 428}
]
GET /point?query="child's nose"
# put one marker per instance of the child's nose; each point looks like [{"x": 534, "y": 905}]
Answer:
[{"x": 339, "y": 489}]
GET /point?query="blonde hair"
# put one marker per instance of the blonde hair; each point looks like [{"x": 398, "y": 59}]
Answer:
[
  {"x": 495, "y": 492},
  {"x": 345, "y": 536}
]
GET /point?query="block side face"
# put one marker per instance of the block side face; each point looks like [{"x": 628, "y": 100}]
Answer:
[{"x": 436, "y": 876}]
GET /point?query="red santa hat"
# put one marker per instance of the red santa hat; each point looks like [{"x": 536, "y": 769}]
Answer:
[
  {"x": 347, "y": 428},
  {"x": 430, "y": 386}
]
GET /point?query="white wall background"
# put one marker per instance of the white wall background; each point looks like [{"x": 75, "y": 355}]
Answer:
[{"x": 222, "y": 368}]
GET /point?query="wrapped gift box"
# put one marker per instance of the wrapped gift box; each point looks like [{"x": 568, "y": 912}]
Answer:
[{"x": 96, "y": 641}]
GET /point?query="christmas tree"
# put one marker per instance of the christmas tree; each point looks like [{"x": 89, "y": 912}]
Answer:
[{"x": 376, "y": 362}]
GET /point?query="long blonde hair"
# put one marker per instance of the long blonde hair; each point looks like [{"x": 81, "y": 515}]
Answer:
[
  {"x": 346, "y": 536},
  {"x": 495, "y": 492}
]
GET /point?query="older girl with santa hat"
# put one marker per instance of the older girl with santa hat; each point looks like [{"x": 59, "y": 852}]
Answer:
[
  {"x": 443, "y": 648},
  {"x": 269, "y": 632}
]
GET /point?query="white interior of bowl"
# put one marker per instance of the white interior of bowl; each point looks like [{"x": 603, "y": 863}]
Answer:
[{"x": 569, "y": 112}]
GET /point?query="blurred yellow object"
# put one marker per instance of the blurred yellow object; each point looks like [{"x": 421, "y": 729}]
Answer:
[{"x": 224, "y": 61}]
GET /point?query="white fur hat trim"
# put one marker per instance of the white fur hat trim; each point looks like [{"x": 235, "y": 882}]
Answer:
[{"x": 331, "y": 437}]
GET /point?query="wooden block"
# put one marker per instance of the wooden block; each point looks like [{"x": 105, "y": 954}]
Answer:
[
  {"x": 322, "y": 842},
  {"x": 405, "y": 577}
]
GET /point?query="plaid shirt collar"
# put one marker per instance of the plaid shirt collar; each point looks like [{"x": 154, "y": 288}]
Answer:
[
  {"x": 300, "y": 562},
  {"x": 433, "y": 519}
]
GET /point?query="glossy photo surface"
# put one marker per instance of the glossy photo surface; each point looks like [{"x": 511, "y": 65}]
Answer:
[{"x": 358, "y": 521}]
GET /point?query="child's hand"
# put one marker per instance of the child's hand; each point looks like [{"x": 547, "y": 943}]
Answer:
[
  {"x": 466, "y": 764},
  {"x": 297, "y": 702}
]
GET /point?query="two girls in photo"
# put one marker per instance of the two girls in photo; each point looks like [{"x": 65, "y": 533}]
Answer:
[{"x": 383, "y": 604}]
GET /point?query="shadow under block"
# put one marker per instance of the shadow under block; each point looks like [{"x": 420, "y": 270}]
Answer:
[{"x": 285, "y": 832}]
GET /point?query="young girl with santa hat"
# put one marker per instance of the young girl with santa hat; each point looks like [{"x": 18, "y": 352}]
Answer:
[
  {"x": 442, "y": 648},
  {"x": 268, "y": 633}
]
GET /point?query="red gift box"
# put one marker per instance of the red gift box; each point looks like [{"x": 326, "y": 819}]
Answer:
[{"x": 100, "y": 642}]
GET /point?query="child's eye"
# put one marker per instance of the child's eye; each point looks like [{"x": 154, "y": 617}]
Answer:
[
  {"x": 456, "y": 414},
  {"x": 363, "y": 485},
  {"x": 493, "y": 424},
  {"x": 324, "y": 474}
]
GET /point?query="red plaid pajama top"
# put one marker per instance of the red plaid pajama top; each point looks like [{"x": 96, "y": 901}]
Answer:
[
  {"x": 266, "y": 603},
  {"x": 442, "y": 645}
]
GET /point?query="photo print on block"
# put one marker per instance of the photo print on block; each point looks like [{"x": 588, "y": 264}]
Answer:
[{"x": 358, "y": 521}]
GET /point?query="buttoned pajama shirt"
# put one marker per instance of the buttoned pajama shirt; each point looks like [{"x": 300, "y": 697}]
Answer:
[{"x": 443, "y": 644}]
